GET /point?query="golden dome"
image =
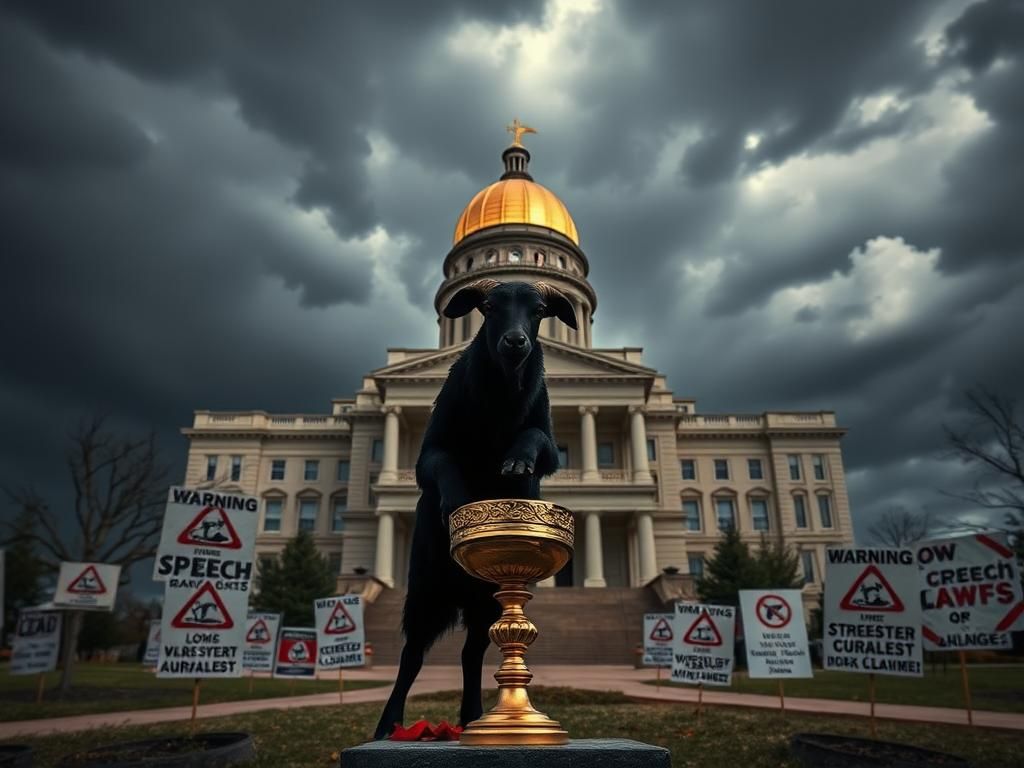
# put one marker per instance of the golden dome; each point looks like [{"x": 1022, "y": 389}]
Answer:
[{"x": 515, "y": 201}]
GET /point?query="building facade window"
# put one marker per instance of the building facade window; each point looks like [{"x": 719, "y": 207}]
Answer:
[
  {"x": 688, "y": 469},
  {"x": 721, "y": 469},
  {"x": 312, "y": 470},
  {"x": 343, "y": 469},
  {"x": 605, "y": 455},
  {"x": 691, "y": 514},
  {"x": 377, "y": 450},
  {"x": 515, "y": 256},
  {"x": 236, "y": 468},
  {"x": 272, "y": 515},
  {"x": 759, "y": 514},
  {"x": 794, "y": 466},
  {"x": 819, "y": 467},
  {"x": 825, "y": 510},
  {"x": 334, "y": 562},
  {"x": 800, "y": 510},
  {"x": 492, "y": 257},
  {"x": 211, "y": 467},
  {"x": 538, "y": 258},
  {"x": 339, "y": 506},
  {"x": 725, "y": 509},
  {"x": 696, "y": 566},
  {"x": 651, "y": 449},
  {"x": 561, "y": 261},
  {"x": 563, "y": 456},
  {"x": 754, "y": 469},
  {"x": 307, "y": 514},
  {"x": 807, "y": 561},
  {"x": 277, "y": 469}
]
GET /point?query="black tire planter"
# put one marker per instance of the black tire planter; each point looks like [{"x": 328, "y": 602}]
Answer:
[
  {"x": 15, "y": 756},
  {"x": 829, "y": 750},
  {"x": 204, "y": 750}
]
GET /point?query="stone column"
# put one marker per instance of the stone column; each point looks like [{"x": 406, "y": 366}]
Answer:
[
  {"x": 645, "y": 546},
  {"x": 588, "y": 440},
  {"x": 384, "y": 568},
  {"x": 595, "y": 556},
  {"x": 548, "y": 582},
  {"x": 389, "y": 468},
  {"x": 638, "y": 439}
]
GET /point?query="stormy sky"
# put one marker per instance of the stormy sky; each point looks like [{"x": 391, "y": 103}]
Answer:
[{"x": 790, "y": 205}]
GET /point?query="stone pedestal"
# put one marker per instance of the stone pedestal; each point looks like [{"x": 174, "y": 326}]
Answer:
[{"x": 592, "y": 753}]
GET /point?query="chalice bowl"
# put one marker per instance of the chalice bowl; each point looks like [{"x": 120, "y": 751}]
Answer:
[{"x": 512, "y": 542}]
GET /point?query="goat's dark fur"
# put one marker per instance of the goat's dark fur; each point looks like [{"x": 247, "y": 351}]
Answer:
[{"x": 489, "y": 437}]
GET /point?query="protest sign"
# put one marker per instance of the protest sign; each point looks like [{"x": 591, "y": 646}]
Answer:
[
  {"x": 970, "y": 592},
  {"x": 702, "y": 651},
  {"x": 87, "y": 586},
  {"x": 872, "y": 612},
  {"x": 203, "y": 630},
  {"x": 36, "y": 642},
  {"x": 775, "y": 634},
  {"x": 341, "y": 636},
  {"x": 296, "y": 653},
  {"x": 260, "y": 641},
  {"x": 658, "y": 636},
  {"x": 206, "y": 533},
  {"x": 152, "y": 654}
]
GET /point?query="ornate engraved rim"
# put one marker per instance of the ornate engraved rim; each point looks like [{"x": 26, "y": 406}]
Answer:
[{"x": 516, "y": 516}]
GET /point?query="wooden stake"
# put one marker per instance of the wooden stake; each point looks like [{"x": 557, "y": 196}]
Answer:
[
  {"x": 967, "y": 688},
  {"x": 195, "y": 704},
  {"x": 871, "y": 694},
  {"x": 40, "y": 686},
  {"x": 341, "y": 687},
  {"x": 782, "y": 697},
  {"x": 700, "y": 701},
  {"x": 658, "y": 684}
]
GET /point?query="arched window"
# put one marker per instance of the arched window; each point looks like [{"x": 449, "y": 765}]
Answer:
[
  {"x": 561, "y": 261},
  {"x": 515, "y": 256},
  {"x": 492, "y": 256},
  {"x": 538, "y": 258},
  {"x": 469, "y": 264}
]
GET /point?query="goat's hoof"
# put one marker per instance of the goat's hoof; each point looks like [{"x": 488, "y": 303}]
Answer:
[{"x": 517, "y": 467}]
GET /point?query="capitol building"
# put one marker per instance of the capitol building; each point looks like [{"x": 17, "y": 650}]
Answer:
[{"x": 651, "y": 478}]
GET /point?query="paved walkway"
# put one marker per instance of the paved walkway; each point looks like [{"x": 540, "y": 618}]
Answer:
[{"x": 439, "y": 678}]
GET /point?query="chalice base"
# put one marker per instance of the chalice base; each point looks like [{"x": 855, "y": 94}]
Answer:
[{"x": 516, "y": 728}]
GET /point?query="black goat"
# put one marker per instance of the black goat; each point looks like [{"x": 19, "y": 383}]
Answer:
[{"x": 489, "y": 437}]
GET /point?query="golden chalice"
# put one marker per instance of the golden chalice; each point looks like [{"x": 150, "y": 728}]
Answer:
[{"x": 512, "y": 542}]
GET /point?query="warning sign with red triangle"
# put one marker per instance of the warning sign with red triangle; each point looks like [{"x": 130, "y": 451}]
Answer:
[
  {"x": 88, "y": 582},
  {"x": 703, "y": 632},
  {"x": 339, "y": 622},
  {"x": 211, "y": 528},
  {"x": 299, "y": 651},
  {"x": 204, "y": 610},
  {"x": 662, "y": 632},
  {"x": 871, "y": 592},
  {"x": 258, "y": 633}
]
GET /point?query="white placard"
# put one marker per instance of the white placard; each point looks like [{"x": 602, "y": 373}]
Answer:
[
  {"x": 658, "y": 637},
  {"x": 340, "y": 634},
  {"x": 872, "y": 612},
  {"x": 87, "y": 586},
  {"x": 970, "y": 592},
  {"x": 203, "y": 629},
  {"x": 36, "y": 642},
  {"x": 774, "y": 633},
  {"x": 204, "y": 527},
  {"x": 260, "y": 641},
  {"x": 152, "y": 654},
  {"x": 702, "y": 651},
  {"x": 296, "y": 653}
]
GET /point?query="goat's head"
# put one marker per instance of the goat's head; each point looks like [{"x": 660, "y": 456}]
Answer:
[{"x": 512, "y": 314}]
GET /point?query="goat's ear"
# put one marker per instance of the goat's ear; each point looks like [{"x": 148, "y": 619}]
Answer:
[
  {"x": 469, "y": 298},
  {"x": 557, "y": 304}
]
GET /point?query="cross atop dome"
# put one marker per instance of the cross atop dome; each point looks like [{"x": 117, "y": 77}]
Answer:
[{"x": 517, "y": 130}]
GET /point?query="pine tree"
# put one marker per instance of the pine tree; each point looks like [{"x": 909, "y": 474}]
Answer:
[
  {"x": 24, "y": 570},
  {"x": 778, "y": 566},
  {"x": 290, "y": 586},
  {"x": 730, "y": 569}
]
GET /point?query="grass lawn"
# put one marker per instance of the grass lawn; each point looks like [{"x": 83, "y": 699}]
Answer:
[
  {"x": 1000, "y": 689},
  {"x": 728, "y": 737},
  {"x": 116, "y": 687}
]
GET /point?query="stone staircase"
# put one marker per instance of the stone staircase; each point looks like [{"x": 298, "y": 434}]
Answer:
[{"x": 577, "y": 626}]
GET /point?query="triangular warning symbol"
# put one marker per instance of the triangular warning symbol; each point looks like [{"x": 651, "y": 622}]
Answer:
[
  {"x": 211, "y": 528},
  {"x": 662, "y": 631},
  {"x": 703, "y": 632},
  {"x": 204, "y": 610},
  {"x": 88, "y": 582},
  {"x": 258, "y": 633},
  {"x": 871, "y": 592},
  {"x": 299, "y": 651},
  {"x": 339, "y": 622}
]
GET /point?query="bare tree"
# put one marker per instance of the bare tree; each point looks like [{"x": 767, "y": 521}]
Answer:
[
  {"x": 899, "y": 527},
  {"x": 119, "y": 491},
  {"x": 993, "y": 443}
]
